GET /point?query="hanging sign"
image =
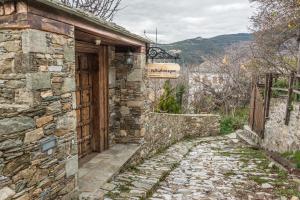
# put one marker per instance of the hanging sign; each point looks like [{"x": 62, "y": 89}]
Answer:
[{"x": 163, "y": 70}]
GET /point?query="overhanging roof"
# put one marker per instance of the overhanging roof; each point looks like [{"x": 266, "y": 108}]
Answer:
[{"x": 90, "y": 18}]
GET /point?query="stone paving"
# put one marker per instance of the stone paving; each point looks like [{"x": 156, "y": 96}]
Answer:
[{"x": 215, "y": 168}]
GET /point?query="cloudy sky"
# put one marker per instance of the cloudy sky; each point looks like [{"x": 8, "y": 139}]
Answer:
[{"x": 184, "y": 19}]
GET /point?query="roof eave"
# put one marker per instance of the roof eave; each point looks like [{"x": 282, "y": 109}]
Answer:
[{"x": 93, "y": 19}]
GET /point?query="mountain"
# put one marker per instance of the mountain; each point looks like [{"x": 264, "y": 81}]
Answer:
[{"x": 192, "y": 50}]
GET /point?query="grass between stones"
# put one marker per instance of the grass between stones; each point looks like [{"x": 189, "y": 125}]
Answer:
[
  {"x": 121, "y": 188},
  {"x": 294, "y": 157},
  {"x": 283, "y": 185},
  {"x": 162, "y": 178}
]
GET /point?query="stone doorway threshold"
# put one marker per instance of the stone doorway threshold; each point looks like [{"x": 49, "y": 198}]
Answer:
[{"x": 97, "y": 169}]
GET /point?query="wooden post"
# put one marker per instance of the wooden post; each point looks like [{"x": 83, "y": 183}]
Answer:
[
  {"x": 290, "y": 99},
  {"x": 268, "y": 95},
  {"x": 267, "y": 77},
  {"x": 298, "y": 70},
  {"x": 103, "y": 70},
  {"x": 254, "y": 108}
]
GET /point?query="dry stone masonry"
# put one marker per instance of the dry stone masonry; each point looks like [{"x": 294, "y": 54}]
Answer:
[
  {"x": 38, "y": 108},
  {"x": 278, "y": 136},
  {"x": 37, "y": 99},
  {"x": 127, "y": 96},
  {"x": 164, "y": 129}
]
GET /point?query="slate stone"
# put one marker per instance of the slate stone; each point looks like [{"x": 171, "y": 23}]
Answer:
[
  {"x": 6, "y": 193},
  {"x": 34, "y": 135},
  {"x": 15, "y": 84},
  {"x": 72, "y": 166},
  {"x": 16, "y": 124},
  {"x": 68, "y": 85},
  {"x": 40, "y": 80},
  {"x": 54, "y": 107},
  {"x": 67, "y": 122},
  {"x": 135, "y": 75},
  {"x": 55, "y": 68},
  {"x": 34, "y": 41},
  {"x": 69, "y": 53},
  {"x": 8, "y": 144}
]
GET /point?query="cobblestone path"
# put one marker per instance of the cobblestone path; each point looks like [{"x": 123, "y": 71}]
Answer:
[{"x": 216, "y": 168}]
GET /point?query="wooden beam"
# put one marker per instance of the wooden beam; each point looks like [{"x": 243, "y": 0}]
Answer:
[
  {"x": 15, "y": 21},
  {"x": 22, "y": 6},
  {"x": 296, "y": 92},
  {"x": 9, "y": 8},
  {"x": 77, "y": 22},
  {"x": 84, "y": 47},
  {"x": 49, "y": 25},
  {"x": 1, "y": 10},
  {"x": 280, "y": 89}
]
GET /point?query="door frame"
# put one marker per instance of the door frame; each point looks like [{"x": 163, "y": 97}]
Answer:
[{"x": 100, "y": 139}]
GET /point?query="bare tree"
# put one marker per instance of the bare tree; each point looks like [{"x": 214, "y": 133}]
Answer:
[
  {"x": 276, "y": 27},
  {"x": 106, "y": 9},
  {"x": 233, "y": 76}
]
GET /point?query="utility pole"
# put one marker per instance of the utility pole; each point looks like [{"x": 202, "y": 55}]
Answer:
[{"x": 156, "y": 37}]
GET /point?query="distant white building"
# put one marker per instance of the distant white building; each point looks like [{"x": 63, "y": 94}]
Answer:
[{"x": 204, "y": 78}]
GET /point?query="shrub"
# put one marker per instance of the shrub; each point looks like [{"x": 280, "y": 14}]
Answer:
[
  {"x": 280, "y": 83},
  {"x": 171, "y": 100},
  {"x": 233, "y": 122}
]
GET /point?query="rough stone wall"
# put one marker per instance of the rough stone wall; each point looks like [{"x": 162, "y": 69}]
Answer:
[
  {"x": 162, "y": 130},
  {"x": 127, "y": 95},
  {"x": 37, "y": 99},
  {"x": 278, "y": 136}
]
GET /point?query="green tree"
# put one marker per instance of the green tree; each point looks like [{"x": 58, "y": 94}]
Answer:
[
  {"x": 180, "y": 90},
  {"x": 168, "y": 102}
]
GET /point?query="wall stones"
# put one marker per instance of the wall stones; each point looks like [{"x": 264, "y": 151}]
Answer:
[
  {"x": 37, "y": 81},
  {"x": 34, "y": 136},
  {"x": 6, "y": 193},
  {"x": 135, "y": 75},
  {"x": 43, "y": 120},
  {"x": 36, "y": 68},
  {"x": 16, "y": 124},
  {"x": 55, "y": 68},
  {"x": 9, "y": 144},
  {"x": 68, "y": 85},
  {"x": 66, "y": 123},
  {"x": 126, "y": 99},
  {"x": 72, "y": 166},
  {"x": 161, "y": 130},
  {"x": 278, "y": 136},
  {"x": 34, "y": 41},
  {"x": 54, "y": 108}
]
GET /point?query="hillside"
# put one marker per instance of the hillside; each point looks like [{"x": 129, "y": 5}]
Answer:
[{"x": 194, "y": 49}]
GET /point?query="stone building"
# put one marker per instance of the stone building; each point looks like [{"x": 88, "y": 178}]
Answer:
[{"x": 70, "y": 85}]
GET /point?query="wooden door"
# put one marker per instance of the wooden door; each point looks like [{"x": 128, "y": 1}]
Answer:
[{"x": 92, "y": 101}]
